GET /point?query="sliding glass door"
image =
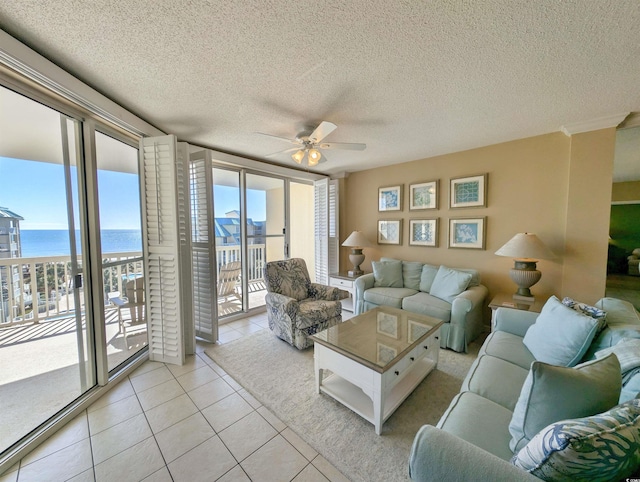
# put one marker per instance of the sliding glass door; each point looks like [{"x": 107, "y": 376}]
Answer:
[{"x": 46, "y": 351}]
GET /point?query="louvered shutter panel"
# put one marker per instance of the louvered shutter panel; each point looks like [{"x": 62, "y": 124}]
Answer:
[
  {"x": 321, "y": 230},
  {"x": 203, "y": 248},
  {"x": 333, "y": 250},
  {"x": 161, "y": 242}
]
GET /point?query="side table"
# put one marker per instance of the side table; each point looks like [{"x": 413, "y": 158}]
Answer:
[
  {"x": 345, "y": 282},
  {"x": 505, "y": 300}
]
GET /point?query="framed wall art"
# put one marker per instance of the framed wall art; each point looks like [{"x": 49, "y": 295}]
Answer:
[
  {"x": 467, "y": 233},
  {"x": 390, "y": 198},
  {"x": 423, "y": 232},
  {"x": 390, "y": 231},
  {"x": 468, "y": 192},
  {"x": 423, "y": 195}
]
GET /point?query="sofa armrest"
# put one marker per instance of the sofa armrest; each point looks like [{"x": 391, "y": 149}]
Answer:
[
  {"x": 467, "y": 301},
  {"x": 283, "y": 305},
  {"x": 328, "y": 293},
  {"x": 513, "y": 321},
  {"x": 439, "y": 455},
  {"x": 362, "y": 284}
]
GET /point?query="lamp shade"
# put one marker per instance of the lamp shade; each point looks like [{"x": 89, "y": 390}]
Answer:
[
  {"x": 526, "y": 246},
  {"x": 356, "y": 239}
]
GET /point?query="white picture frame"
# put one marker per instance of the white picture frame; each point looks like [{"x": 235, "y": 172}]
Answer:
[
  {"x": 423, "y": 232},
  {"x": 390, "y": 231},
  {"x": 467, "y": 233},
  {"x": 468, "y": 192},
  {"x": 423, "y": 195},
  {"x": 390, "y": 198}
]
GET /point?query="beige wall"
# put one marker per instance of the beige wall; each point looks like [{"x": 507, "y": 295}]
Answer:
[
  {"x": 626, "y": 191},
  {"x": 534, "y": 185}
]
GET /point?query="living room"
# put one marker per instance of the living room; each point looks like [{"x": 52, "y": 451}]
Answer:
[{"x": 537, "y": 116}]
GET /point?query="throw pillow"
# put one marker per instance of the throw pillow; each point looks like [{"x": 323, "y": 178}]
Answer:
[
  {"x": 592, "y": 311},
  {"x": 560, "y": 335},
  {"x": 387, "y": 274},
  {"x": 449, "y": 283},
  {"x": 411, "y": 272},
  {"x": 602, "y": 447},
  {"x": 429, "y": 273},
  {"x": 551, "y": 393},
  {"x": 628, "y": 352}
]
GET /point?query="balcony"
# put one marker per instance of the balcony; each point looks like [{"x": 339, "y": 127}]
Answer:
[{"x": 42, "y": 341}]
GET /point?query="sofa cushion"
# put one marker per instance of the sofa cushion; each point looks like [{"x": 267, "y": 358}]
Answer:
[
  {"x": 387, "y": 274},
  {"x": 312, "y": 311},
  {"x": 479, "y": 421},
  {"x": 601, "y": 447},
  {"x": 427, "y": 276},
  {"x": 560, "y": 335},
  {"x": 508, "y": 347},
  {"x": 411, "y": 273},
  {"x": 551, "y": 393},
  {"x": 449, "y": 283},
  {"x": 495, "y": 379},
  {"x": 387, "y": 296},
  {"x": 425, "y": 304}
]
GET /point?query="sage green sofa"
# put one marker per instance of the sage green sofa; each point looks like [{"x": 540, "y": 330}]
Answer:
[
  {"x": 455, "y": 296},
  {"x": 473, "y": 439}
]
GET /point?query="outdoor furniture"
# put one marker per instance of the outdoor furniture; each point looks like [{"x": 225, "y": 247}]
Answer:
[
  {"x": 296, "y": 307},
  {"x": 228, "y": 281},
  {"x": 134, "y": 302}
]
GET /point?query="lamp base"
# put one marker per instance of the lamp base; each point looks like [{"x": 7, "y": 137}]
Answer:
[
  {"x": 356, "y": 257},
  {"x": 525, "y": 275},
  {"x": 354, "y": 273}
]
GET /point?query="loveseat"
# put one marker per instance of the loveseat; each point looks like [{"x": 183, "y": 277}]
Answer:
[
  {"x": 454, "y": 296},
  {"x": 511, "y": 403}
]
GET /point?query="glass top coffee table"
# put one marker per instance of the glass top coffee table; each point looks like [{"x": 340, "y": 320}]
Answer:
[{"x": 376, "y": 360}]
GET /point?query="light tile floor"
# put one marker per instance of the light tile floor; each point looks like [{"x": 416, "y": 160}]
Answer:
[{"x": 180, "y": 423}]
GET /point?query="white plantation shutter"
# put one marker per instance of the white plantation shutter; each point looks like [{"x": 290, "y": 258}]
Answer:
[
  {"x": 161, "y": 240},
  {"x": 326, "y": 229},
  {"x": 203, "y": 249}
]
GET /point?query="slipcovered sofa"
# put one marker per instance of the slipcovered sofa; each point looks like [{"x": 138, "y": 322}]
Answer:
[
  {"x": 454, "y": 296},
  {"x": 518, "y": 418},
  {"x": 634, "y": 262}
]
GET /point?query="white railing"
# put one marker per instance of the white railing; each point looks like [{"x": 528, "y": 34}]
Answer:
[{"x": 34, "y": 289}]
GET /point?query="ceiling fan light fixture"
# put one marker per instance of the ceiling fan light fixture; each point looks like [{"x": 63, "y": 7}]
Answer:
[
  {"x": 314, "y": 157},
  {"x": 298, "y": 156}
]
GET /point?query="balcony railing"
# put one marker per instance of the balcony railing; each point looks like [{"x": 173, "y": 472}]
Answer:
[{"x": 39, "y": 288}]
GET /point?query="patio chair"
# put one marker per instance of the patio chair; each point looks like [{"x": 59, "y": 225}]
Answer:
[
  {"x": 134, "y": 302},
  {"x": 296, "y": 307},
  {"x": 228, "y": 281}
]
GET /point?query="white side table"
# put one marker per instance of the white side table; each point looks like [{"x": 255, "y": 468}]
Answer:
[
  {"x": 345, "y": 282},
  {"x": 506, "y": 300}
]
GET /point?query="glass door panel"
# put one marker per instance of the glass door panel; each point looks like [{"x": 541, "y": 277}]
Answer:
[
  {"x": 44, "y": 339},
  {"x": 228, "y": 240},
  {"x": 265, "y": 226},
  {"x": 121, "y": 244},
  {"x": 301, "y": 224}
]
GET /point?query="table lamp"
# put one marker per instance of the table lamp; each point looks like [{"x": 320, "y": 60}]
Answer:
[
  {"x": 526, "y": 249},
  {"x": 356, "y": 241}
]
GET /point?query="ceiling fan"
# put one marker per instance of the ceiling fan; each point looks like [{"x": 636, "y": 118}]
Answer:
[{"x": 310, "y": 144}]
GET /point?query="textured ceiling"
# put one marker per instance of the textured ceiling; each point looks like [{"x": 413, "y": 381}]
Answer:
[{"x": 410, "y": 79}]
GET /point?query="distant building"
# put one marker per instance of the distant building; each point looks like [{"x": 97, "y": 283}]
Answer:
[
  {"x": 9, "y": 248},
  {"x": 227, "y": 229}
]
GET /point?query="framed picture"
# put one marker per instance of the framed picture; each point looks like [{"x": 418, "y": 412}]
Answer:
[
  {"x": 387, "y": 324},
  {"x": 390, "y": 231},
  {"x": 423, "y": 232},
  {"x": 468, "y": 192},
  {"x": 423, "y": 195},
  {"x": 390, "y": 198},
  {"x": 467, "y": 233}
]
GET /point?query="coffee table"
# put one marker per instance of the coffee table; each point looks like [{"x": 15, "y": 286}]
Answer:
[{"x": 376, "y": 360}]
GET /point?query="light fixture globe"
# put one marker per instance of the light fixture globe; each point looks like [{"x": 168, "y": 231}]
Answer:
[
  {"x": 356, "y": 241},
  {"x": 526, "y": 249}
]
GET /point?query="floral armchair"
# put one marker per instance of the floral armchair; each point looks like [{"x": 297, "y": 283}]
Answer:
[{"x": 296, "y": 307}]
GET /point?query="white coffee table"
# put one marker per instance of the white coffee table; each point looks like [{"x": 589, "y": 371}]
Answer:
[{"x": 376, "y": 360}]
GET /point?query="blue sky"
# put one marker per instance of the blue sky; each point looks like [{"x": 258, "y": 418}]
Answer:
[{"x": 36, "y": 191}]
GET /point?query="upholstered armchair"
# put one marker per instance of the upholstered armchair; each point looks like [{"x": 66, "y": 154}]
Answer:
[{"x": 296, "y": 307}]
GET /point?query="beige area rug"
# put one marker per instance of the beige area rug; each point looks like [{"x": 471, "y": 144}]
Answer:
[{"x": 282, "y": 379}]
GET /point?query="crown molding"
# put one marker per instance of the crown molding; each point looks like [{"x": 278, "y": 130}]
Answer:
[{"x": 594, "y": 124}]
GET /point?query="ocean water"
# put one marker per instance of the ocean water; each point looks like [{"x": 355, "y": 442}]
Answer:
[{"x": 55, "y": 242}]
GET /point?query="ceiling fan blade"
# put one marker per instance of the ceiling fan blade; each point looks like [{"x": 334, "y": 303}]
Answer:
[
  {"x": 283, "y": 152},
  {"x": 290, "y": 141},
  {"x": 343, "y": 145},
  {"x": 323, "y": 130}
]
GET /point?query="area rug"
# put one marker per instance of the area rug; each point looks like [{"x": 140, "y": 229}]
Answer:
[{"x": 282, "y": 379}]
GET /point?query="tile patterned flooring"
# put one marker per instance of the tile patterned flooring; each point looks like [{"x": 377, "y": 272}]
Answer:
[{"x": 180, "y": 423}]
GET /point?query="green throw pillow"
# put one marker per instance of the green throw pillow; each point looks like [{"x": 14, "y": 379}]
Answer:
[
  {"x": 429, "y": 273},
  {"x": 551, "y": 393},
  {"x": 597, "y": 448},
  {"x": 387, "y": 274},
  {"x": 560, "y": 335},
  {"x": 449, "y": 283},
  {"x": 411, "y": 271}
]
